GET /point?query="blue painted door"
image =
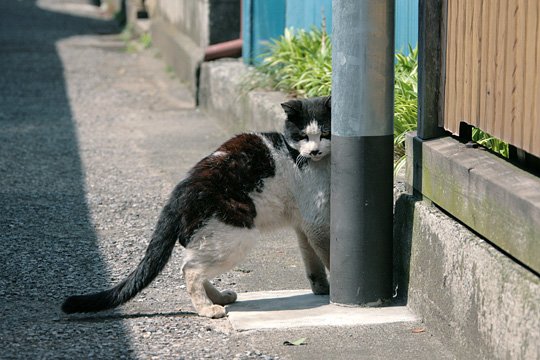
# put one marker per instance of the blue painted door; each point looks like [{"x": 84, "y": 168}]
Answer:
[
  {"x": 406, "y": 31},
  {"x": 263, "y": 20},
  {"x": 303, "y": 14}
]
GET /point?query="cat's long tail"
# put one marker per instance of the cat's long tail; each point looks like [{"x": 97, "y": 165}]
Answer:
[{"x": 157, "y": 254}]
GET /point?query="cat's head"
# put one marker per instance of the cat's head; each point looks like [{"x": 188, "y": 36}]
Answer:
[{"x": 307, "y": 128}]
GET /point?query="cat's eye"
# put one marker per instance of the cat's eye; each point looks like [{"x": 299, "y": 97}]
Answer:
[
  {"x": 301, "y": 136},
  {"x": 325, "y": 135}
]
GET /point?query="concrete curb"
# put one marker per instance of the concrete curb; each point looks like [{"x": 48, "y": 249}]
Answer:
[
  {"x": 287, "y": 309},
  {"x": 483, "y": 302},
  {"x": 179, "y": 52},
  {"x": 223, "y": 95}
]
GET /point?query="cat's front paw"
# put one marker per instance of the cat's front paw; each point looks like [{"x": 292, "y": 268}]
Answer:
[
  {"x": 319, "y": 286},
  {"x": 319, "y": 289},
  {"x": 213, "y": 311}
]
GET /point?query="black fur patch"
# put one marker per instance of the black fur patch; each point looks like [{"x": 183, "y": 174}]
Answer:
[{"x": 219, "y": 185}]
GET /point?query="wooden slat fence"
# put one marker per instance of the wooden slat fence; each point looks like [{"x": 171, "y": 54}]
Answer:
[{"x": 492, "y": 69}]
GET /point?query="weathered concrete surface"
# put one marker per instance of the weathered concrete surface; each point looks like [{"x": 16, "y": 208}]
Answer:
[
  {"x": 180, "y": 31},
  {"x": 187, "y": 17},
  {"x": 484, "y": 303},
  {"x": 183, "y": 29},
  {"x": 495, "y": 198},
  {"x": 178, "y": 51},
  {"x": 223, "y": 93},
  {"x": 287, "y": 309}
]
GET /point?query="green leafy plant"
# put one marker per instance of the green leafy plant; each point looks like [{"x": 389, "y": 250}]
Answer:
[
  {"x": 299, "y": 62},
  {"x": 133, "y": 43},
  {"x": 405, "y": 102},
  {"x": 492, "y": 143}
]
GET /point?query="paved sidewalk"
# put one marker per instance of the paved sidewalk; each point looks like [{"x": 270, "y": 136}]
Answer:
[{"x": 92, "y": 140}]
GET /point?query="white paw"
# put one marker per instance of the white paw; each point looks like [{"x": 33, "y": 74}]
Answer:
[{"x": 214, "y": 311}]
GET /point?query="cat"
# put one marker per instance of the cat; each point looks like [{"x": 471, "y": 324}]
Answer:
[{"x": 253, "y": 182}]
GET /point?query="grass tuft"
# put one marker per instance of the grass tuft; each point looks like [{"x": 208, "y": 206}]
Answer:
[
  {"x": 299, "y": 62},
  {"x": 134, "y": 44},
  {"x": 490, "y": 142}
]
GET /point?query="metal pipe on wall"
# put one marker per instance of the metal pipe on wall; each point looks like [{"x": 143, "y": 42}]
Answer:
[
  {"x": 362, "y": 151},
  {"x": 232, "y": 48}
]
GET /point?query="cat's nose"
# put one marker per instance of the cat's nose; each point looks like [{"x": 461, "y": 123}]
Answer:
[{"x": 315, "y": 152}]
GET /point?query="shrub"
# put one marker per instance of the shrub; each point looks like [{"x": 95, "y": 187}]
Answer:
[
  {"x": 492, "y": 143},
  {"x": 300, "y": 62},
  {"x": 405, "y": 102}
]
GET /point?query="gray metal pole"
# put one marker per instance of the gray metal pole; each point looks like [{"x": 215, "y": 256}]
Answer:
[{"x": 362, "y": 151}]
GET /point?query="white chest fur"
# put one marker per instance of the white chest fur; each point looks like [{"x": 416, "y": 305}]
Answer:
[{"x": 312, "y": 192}]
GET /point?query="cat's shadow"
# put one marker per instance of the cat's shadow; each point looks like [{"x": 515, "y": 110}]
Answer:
[
  {"x": 115, "y": 316},
  {"x": 281, "y": 303}
]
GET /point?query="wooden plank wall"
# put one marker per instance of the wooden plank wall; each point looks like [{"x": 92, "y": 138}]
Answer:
[{"x": 492, "y": 69}]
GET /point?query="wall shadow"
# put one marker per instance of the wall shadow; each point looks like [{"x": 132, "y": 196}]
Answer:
[
  {"x": 404, "y": 226},
  {"x": 47, "y": 240},
  {"x": 403, "y": 230}
]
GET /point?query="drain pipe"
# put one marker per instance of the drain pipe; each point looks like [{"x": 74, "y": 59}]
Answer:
[
  {"x": 362, "y": 152},
  {"x": 232, "y": 48}
]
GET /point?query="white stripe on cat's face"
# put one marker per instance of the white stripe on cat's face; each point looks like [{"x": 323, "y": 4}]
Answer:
[
  {"x": 314, "y": 147},
  {"x": 312, "y": 128}
]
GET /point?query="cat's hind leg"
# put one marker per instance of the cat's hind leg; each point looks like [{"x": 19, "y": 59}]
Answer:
[
  {"x": 315, "y": 269},
  {"x": 195, "y": 283},
  {"x": 224, "y": 297},
  {"x": 215, "y": 249}
]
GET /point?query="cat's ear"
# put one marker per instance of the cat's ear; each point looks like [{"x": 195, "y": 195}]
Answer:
[
  {"x": 328, "y": 102},
  {"x": 292, "y": 107}
]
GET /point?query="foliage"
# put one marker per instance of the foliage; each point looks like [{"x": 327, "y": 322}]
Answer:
[
  {"x": 133, "y": 43},
  {"x": 490, "y": 142},
  {"x": 405, "y": 102},
  {"x": 299, "y": 62}
]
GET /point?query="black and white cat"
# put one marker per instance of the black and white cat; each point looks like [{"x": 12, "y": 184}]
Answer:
[{"x": 253, "y": 182}]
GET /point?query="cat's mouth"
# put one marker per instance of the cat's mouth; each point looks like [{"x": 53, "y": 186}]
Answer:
[{"x": 317, "y": 157}]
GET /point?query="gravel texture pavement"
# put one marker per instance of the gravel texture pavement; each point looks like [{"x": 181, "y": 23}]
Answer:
[{"x": 92, "y": 140}]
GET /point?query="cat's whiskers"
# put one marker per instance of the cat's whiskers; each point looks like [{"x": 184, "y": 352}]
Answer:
[{"x": 300, "y": 160}]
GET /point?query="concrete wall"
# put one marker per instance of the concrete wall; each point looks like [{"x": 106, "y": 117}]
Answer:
[
  {"x": 223, "y": 93},
  {"x": 482, "y": 302},
  {"x": 183, "y": 29},
  {"x": 189, "y": 17}
]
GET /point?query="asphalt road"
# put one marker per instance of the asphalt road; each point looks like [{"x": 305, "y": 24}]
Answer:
[{"x": 92, "y": 140}]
